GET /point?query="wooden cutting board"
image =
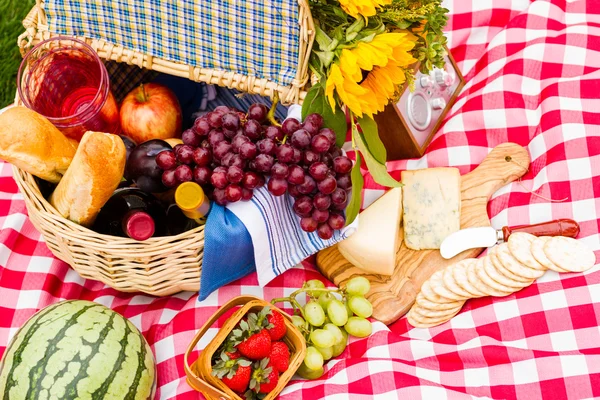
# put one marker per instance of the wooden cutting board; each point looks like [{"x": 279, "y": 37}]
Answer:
[{"x": 392, "y": 296}]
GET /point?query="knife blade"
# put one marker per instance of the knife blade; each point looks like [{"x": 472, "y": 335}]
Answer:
[{"x": 478, "y": 237}]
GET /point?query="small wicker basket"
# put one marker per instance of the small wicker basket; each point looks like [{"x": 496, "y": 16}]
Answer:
[
  {"x": 199, "y": 375},
  {"x": 158, "y": 266}
]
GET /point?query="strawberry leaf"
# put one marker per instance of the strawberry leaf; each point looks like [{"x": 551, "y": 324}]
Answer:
[
  {"x": 244, "y": 363},
  {"x": 244, "y": 325}
]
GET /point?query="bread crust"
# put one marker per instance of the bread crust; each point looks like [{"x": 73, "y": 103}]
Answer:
[
  {"x": 30, "y": 142},
  {"x": 93, "y": 176}
]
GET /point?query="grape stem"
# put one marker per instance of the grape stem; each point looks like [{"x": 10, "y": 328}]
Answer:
[
  {"x": 292, "y": 298},
  {"x": 271, "y": 113}
]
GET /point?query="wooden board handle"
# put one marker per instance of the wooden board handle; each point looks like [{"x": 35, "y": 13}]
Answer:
[{"x": 558, "y": 227}]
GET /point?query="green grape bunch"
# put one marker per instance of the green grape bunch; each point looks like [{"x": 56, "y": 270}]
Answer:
[{"x": 327, "y": 320}]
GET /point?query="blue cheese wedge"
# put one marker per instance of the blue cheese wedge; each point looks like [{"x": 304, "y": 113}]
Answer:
[
  {"x": 431, "y": 199},
  {"x": 374, "y": 245}
]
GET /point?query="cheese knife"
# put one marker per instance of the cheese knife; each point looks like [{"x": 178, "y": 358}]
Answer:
[{"x": 472, "y": 238}]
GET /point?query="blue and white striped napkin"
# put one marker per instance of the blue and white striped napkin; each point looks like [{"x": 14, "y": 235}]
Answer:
[{"x": 279, "y": 242}]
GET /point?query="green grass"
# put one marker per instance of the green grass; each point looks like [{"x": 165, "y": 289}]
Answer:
[{"x": 12, "y": 13}]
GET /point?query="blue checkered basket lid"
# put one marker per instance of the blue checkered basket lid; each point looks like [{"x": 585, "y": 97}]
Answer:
[{"x": 258, "y": 38}]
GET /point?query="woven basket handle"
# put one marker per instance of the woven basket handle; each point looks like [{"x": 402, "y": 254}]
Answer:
[{"x": 192, "y": 379}]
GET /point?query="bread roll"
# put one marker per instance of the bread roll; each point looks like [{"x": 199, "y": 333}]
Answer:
[
  {"x": 92, "y": 177},
  {"x": 30, "y": 142}
]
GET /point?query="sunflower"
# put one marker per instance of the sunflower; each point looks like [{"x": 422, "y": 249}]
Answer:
[
  {"x": 366, "y": 76},
  {"x": 365, "y": 8}
]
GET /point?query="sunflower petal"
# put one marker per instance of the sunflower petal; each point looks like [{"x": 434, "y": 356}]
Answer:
[{"x": 349, "y": 65}]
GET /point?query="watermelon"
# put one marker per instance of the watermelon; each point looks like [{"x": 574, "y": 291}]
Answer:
[{"x": 77, "y": 349}]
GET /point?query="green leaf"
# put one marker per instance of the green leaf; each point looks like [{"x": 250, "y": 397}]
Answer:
[
  {"x": 403, "y": 24},
  {"x": 326, "y": 57},
  {"x": 322, "y": 39},
  {"x": 337, "y": 122},
  {"x": 316, "y": 102},
  {"x": 368, "y": 39},
  {"x": 377, "y": 170},
  {"x": 371, "y": 135},
  {"x": 310, "y": 98},
  {"x": 350, "y": 37},
  {"x": 339, "y": 12},
  {"x": 358, "y": 182}
]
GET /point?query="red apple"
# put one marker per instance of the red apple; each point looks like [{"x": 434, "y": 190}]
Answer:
[{"x": 150, "y": 111}]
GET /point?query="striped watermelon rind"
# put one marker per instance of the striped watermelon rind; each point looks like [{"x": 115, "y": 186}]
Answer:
[{"x": 77, "y": 349}]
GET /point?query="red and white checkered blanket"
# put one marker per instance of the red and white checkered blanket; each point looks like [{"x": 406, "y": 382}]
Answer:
[{"x": 533, "y": 72}]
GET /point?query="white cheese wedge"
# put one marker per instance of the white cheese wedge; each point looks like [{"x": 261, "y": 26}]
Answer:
[
  {"x": 431, "y": 199},
  {"x": 373, "y": 246}
]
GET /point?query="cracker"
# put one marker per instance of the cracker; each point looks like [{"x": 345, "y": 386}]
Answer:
[
  {"x": 505, "y": 282},
  {"x": 430, "y": 295},
  {"x": 452, "y": 285},
  {"x": 514, "y": 266},
  {"x": 428, "y": 313},
  {"x": 519, "y": 245},
  {"x": 537, "y": 249},
  {"x": 439, "y": 287},
  {"x": 420, "y": 322},
  {"x": 460, "y": 274},
  {"x": 481, "y": 283},
  {"x": 416, "y": 324},
  {"x": 506, "y": 272},
  {"x": 424, "y": 303},
  {"x": 570, "y": 254},
  {"x": 481, "y": 270}
]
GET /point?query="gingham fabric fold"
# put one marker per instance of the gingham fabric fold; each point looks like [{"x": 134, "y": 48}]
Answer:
[
  {"x": 533, "y": 71},
  {"x": 253, "y": 37}
]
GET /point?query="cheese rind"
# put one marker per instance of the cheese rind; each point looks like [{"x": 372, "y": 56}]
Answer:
[
  {"x": 431, "y": 199},
  {"x": 374, "y": 245}
]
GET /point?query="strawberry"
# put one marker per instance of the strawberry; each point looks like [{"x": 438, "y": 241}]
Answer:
[
  {"x": 233, "y": 355},
  {"x": 280, "y": 356},
  {"x": 264, "y": 377},
  {"x": 279, "y": 329},
  {"x": 239, "y": 382},
  {"x": 256, "y": 346},
  {"x": 235, "y": 373}
]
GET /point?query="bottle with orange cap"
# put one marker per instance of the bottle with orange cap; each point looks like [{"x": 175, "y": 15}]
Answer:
[{"x": 190, "y": 210}]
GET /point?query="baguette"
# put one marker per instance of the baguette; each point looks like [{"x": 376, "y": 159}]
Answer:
[
  {"x": 91, "y": 179},
  {"x": 30, "y": 142}
]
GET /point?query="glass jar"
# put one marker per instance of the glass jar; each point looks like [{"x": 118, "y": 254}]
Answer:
[{"x": 64, "y": 80}]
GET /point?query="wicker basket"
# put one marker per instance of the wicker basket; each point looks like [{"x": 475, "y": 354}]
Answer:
[
  {"x": 199, "y": 373},
  {"x": 158, "y": 266}
]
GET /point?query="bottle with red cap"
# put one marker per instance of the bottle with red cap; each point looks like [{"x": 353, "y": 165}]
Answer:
[{"x": 132, "y": 213}]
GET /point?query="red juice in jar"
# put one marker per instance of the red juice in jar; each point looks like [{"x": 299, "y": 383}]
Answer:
[{"x": 64, "y": 80}]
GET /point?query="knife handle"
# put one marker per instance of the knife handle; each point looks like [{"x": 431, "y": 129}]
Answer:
[{"x": 558, "y": 227}]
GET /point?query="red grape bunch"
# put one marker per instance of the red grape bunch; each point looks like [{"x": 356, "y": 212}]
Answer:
[{"x": 230, "y": 154}]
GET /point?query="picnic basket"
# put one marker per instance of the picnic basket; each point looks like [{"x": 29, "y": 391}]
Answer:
[
  {"x": 199, "y": 372},
  {"x": 274, "y": 63}
]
